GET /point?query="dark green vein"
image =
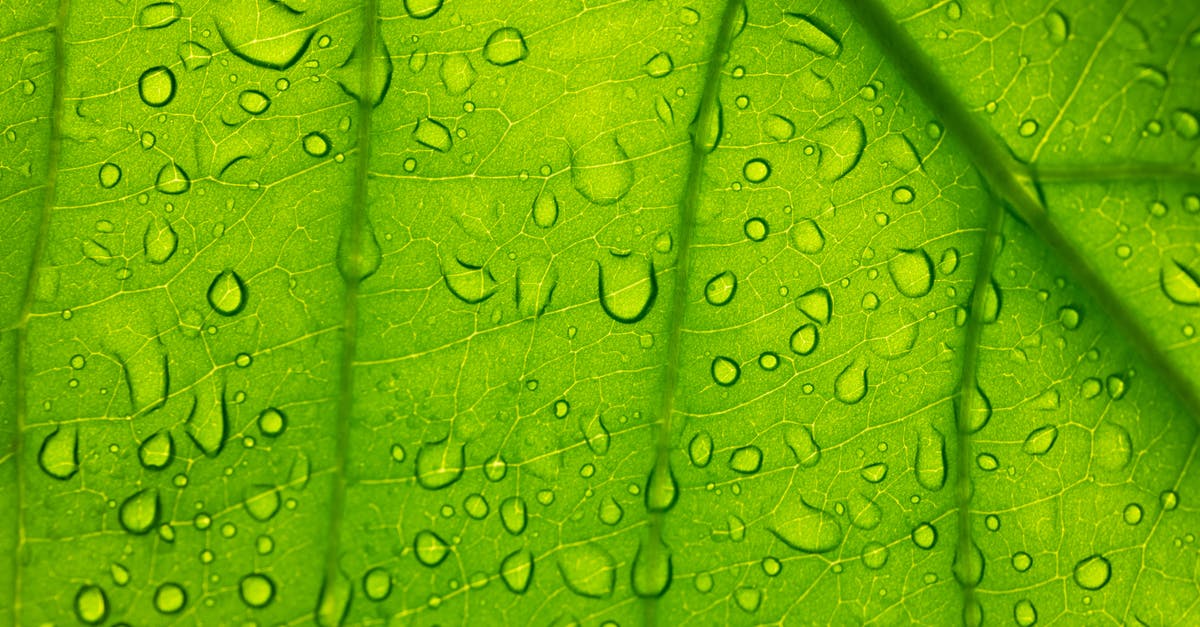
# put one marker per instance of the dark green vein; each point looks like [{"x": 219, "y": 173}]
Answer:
[
  {"x": 1012, "y": 182},
  {"x": 328, "y": 610},
  {"x": 22, "y": 345},
  {"x": 687, "y": 224}
]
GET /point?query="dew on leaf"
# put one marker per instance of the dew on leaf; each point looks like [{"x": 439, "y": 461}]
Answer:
[
  {"x": 778, "y": 128},
  {"x": 807, "y": 237},
  {"x": 602, "y": 171},
  {"x": 172, "y": 180},
  {"x": 756, "y": 170},
  {"x": 610, "y": 511},
  {"x": 1116, "y": 386},
  {"x": 661, "y": 488},
  {"x": 1024, "y": 613},
  {"x": 545, "y": 209},
  {"x": 110, "y": 175},
  {"x": 804, "y": 339},
  {"x": 911, "y": 272},
  {"x": 659, "y": 65},
  {"x": 930, "y": 464},
  {"x": 979, "y": 414},
  {"x": 800, "y": 441},
  {"x": 516, "y": 570},
  {"x": 1112, "y": 447},
  {"x": 747, "y": 599},
  {"x": 768, "y": 361},
  {"x": 725, "y": 371},
  {"x": 700, "y": 449},
  {"x": 874, "y": 473},
  {"x": 588, "y": 570},
  {"x": 457, "y": 73},
  {"x": 157, "y": 451},
  {"x": 350, "y": 74},
  {"x": 1092, "y": 572},
  {"x": 874, "y": 555},
  {"x": 1185, "y": 123},
  {"x": 96, "y": 252},
  {"x": 227, "y": 293},
  {"x": 514, "y": 514},
  {"x": 1040, "y": 440},
  {"x": 903, "y": 195},
  {"x": 257, "y": 590},
  {"x": 746, "y": 460},
  {"x": 433, "y": 134},
  {"x": 1169, "y": 499},
  {"x": 651, "y": 574},
  {"x": 272, "y": 422},
  {"x": 1021, "y": 561},
  {"x": 158, "y": 15},
  {"x": 156, "y": 86},
  {"x": 810, "y": 33},
  {"x": 170, "y": 598},
  {"x": 806, "y": 528},
  {"x": 59, "y": 454},
  {"x": 720, "y": 289},
  {"x": 139, "y": 512},
  {"x": 626, "y": 294},
  {"x": 968, "y": 564},
  {"x": 377, "y": 584},
  {"x": 254, "y": 102},
  {"x": 1180, "y": 284},
  {"x": 816, "y": 304},
  {"x": 864, "y": 512},
  {"x": 755, "y": 229},
  {"x": 439, "y": 464},
  {"x": 505, "y": 46},
  {"x": 472, "y": 284},
  {"x": 1132, "y": 514},
  {"x": 262, "y": 502},
  {"x": 91, "y": 605},
  {"x": 925, "y": 536},
  {"x": 430, "y": 548},
  {"x": 842, "y": 142},
  {"x": 851, "y": 385},
  {"x": 159, "y": 241},
  {"x": 422, "y": 9}
]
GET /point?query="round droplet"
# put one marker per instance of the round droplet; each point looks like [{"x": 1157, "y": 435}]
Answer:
[
  {"x": 1022, "y": 561},
  {"x": 755, "y": 229},
  {"x": 257, "y": 590},
  {"x": 514, "y": 514},
  {"x": 610, "y": 512},
  {"x": 1093, "y": 572},
  {"x": 272, "y": 422},
  {"x": 430, "y": 548},
  {"x": 505, "y": 46},
  {"x": 316, "y": 144},
  {"x": 227, "y": 293},
  {"x": 746, "y": 460},
  {"x": 768, "y": 360},
  {"x": 254, "y": 102},
  {"x": 1132, "y": 514},
  {"x": 911, "y": 272},
  {"x": 720, "y": 289},
  {"x": 1069, "y": 317},
  {"x": 377, "y": 584},
  {"x": 91, "y": 605},
  {"x": 110, "y": 175},
  {"x": 903, "y": 195},
  {"x": 804, "y": 339},
  {"x": 157, "y": 86},
  {"x": 476, "y": 506},
  {"x": 170, "y": 598},
  {"x": 725, "y": 371},
  {"x": 1024, "y": 613},
  {"x": 1028, "y": 128},
  {"x": 874, "y": 555},
  {"x": 756, "y": 170},
  {"x": 924, "y": 536},
  {"x": 778, "y": 128}
]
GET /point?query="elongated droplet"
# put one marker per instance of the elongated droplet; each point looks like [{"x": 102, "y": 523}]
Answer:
[
  {"x": 1040, "y": 440},
  {"x": 930, "y": 464},
  {"x": 652, "y": 571},
  {"x": 911, "y": 272},
  {"x": 812, "y": 34},
  {"x": 661, "y": 488},
  {"x": 159, "y": 241},
  {"x": 545, "y": 209},
  {"x": 841, "y": 143},
  {"x": 514, "y": 514},
  {"x": 627, "y": 295},
  {"x": 1180, "y": 284},
  {"x": 59, "y": 455},
  {"x": 806, "y": 528},
  {"x": 850, "y": 386},
  {"x": 804, "y": 447}
]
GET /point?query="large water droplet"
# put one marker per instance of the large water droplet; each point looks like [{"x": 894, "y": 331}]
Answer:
[
  {"x": 170, "y": 598},
  {"x": 457, "y": 73},
  {"x": 588, "y": 570},
  {"x": 1093, "y": 572},
  {"x": 110, "y": 175},
  {"x": 812, "y": 34},
  {"x": 227, "y": 294},
  {"x": 349, "y": 75},
  {"x": 627, "y": 291},
  {"x": 254, "y": 102},
  {"x": 159, "y": 241},
  {"x": 172, "y": 180},
  {"x": 257, "y": 590},
  {"x": 358, "y": 263},
  {"x": 377, "y": 584},
  {"x": 139, "y": 513},
  {"x": 545, "y": 209},
  {"x": 850, "y": 386},
  {"x": 700, "y": 449},
  {"x": 1040, "y": 440},
  {"x": 778, "y": 128},
  {"x": 720, "y": 289},
  {"x": 1024, "y": 613},
  {"x": 158, "y": 15},
  {"x": 807, "y": 237},
  {"x": 514, "y": 514},
  {"x": 1112, "y": 447},
  {"x": 440, "y": 464},
  {"x": 470, "y": 283},
  {"x": 430, "y": 548},
  {"x": 433, "y": 134},
  {"x": 979, "y": 414},
  {"x": 601, "y": 171},
  {"x": 505, "y": 46},
  {"x": 659, "y": 65},
  {"x": 924, "y": 536},
  {"x": 725, "y": 371},
  {"x": 800, "y": 440},
  {"x": 422, "y": 9},
  {"x": 805, "y": 528},
  {"x": 1180, "y": 284},
  {"x": 912, "y": 272},
  {"x": 661, "y": 488},
  {"x": 157, "y": 450},
  {"x": 91, "y": 605},
  {"x": 841, "y": 142},
  {"x": 746, "y": 460},
  {"x": 804, "y": 339},
  {"x": 516, "y": 570},
  {"x": 156, "y": 86},
  {"x": 651, "y": 574},
  {"x": 59, "y": 455},
  {"x": 968, "y": 564},
  {"x": 334, "y": 601},
  {"x": 816, "y": 304}
]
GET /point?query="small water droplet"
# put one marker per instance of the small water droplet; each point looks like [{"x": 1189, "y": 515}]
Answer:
[
  {"x": 602, "y": 171},
  {"x": 661, "y": 488},
  {"x": 659, "y": 65},
  {"x": 1040, "y": 440},
  {"x": 755, "y": 229},
  {"x": 925, "y": 536},
  {"x": 545, "y": 209},
  {"x": 756, "y": 170},
  {"x": 316, "y": 144},
  {"x": 806, "y": 528},
  {"x": 422, "y": 9},
  {"x": 725, "y": 371},
  {"x": 91, "y": 605},
  {"x": 700, "y": 449},
  {"x": 505, "y": 46},
  {"x": 778, "y": 128}
]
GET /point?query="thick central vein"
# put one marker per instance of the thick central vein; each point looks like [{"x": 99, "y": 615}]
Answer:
[
  {"x": 351, "y": 271},
  {"x": 21, "y": 382},
  {"x": 705, "y": 118}
]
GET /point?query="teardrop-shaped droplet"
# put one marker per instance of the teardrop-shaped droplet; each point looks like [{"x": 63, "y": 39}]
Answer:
[
  {"x": 439, "y": 464},
  {"x": 911, "y": 272},
  {"x": 139, "y": 513},
  {"x": 651, "y": 573},
  {"x": 850, "y": 386},
  {"x": 156, "y": 86},
  {"x": 610, "y": 511},
  {"x": 159, "y": 241},
  {"x": 807, "y": 237},
  {"x": 91, "y": 605},
  {"x": 588, "y": 570},
  {"x": 157, "y": 451},
  {"x": 262, "y": 502},
  {"x": 59, "y": 455},
  {"x": 874, "y": 473},
  {"x": 804, "y": 447},
  {"x": 430, "y": 548},
  {"x": 358, "y": 263},
  {"x": 968, "y": 564},
  {"x": 227, "y": 294},
  {"x": 172, "y": 180},
  {"x": 516, "y": 570},
  {"x": 514, "y": 514},
  {"x": 505, "y": 46},
  {"x": 720, "y": 289},
  {"x": 979, "y": 414},
  {"x": 661, "y": 488},
  {"x": 1040, "y": 440},
  {"x": 1180, "y": 284},
  {"x": 804, "y": 339},
  {"x": 700, "y": 449}
]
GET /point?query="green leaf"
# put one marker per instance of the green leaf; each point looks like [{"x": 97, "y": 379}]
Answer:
[{"x": 627, "y": 313}]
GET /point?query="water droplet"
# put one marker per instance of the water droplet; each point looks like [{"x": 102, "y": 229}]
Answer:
[
  {"x": 1132, "y": 514},
  {"x": 816, "y": 304},
  {"x": 804, "y": 339},
  {"x": 778, "y": 128},
  {"x": 261, "y": 502},
  {"x": 516, "y": 570},
  {"x": 588, "y": 570},
  {"x": 842, "y": 142},
  {"x": 1185, "y": 123},
  {"x": 194, "y": 56},
  {"x": 1021, "y": 561},
  {"x": 470, "y": 283},
  {"x": 601, "y": 171},
  {"x": 1069, "y": 317},
  {"x": 661, "y": 488},
  {"x": 59, "y": 455},
  {"x": 272, "y": 422},
  {"x": 156, "y": 86},
  {"x": 172, "y": 180},
  {"x": 874, "y": 473},
  {"x": 170, "y": 598},
  {"x": 514, "y": 514},
  {"x": 979, "y": 414},
  {"x": 812, "y": 34},
  {"x": 120, "y": 574},
  {"x": 357, "y": 263},
  {"x": 651, "y": 574},
  {"x": 350, "y": 74},
  {"x": 159, "y": 241},
  {"x": 756, "y": 170},
  {"x": 756, "y": 229},
  {"x": 747, "y": 599},
  {"x": 706, "y": 133},
  {"x": 1024, "y": 613},
  {"x": 316, "y": 144},
  {"x": 91, "y": 605},
  {"x": 257, "y": 590},
  {"x": 700, "y": 449},
  {"x": 1180, "y": 284},
  {"x": 992, "y": 301},
  {"x": 768, "y": 361},
  {"x": 158, "y": 15},
  {"x": 545, "y": 209},
  {"x": 911, "y": 272},
  {"x": 807, "y": 237},
  {"x": 725, "y": 371},
  {"x": 334, "y": 601},
  {"x": 227, "y": 293},
  {"x": 457, "y": 73},
  {"x": 422, "y": 9},
  {"x": 430, "y": 548},
  {"x": 505, "y": 46},
  {"x": 139, "y": 513},
  {"x": 930, "y": 464},
  {"x": 864, "y": 513},
  {"x": 1040, "y": 440},
  {"x": 720, "y": 289},
  {"x": 949, "y": 261},
  {"x": 659, "y": 65},
  {"x": 850, "y": 386},
  {"x": 433, "y": 134},
  {"x": 1116, "y": 386},
  {"x": 1112, "y": 447},
  {"x": 254, "y": 102},
  {"x": 440, "y": 464},
  {"x": 1169, "y": 500},
  {"x": 874, "y": 555},
  {"x": 746, "y": 460},
  {"x": 1028, "y": 128},
  {"x": 1093, "y": 572},
  {"x": 925, "y": 536},
  {"x": 110, "y": 175},
  {"x": 610, "y": 512},
  {"x": 805, "y": 528},
  {"x": 968, "y": 564},
  {"x": 800, "y": 440},
  {"x": 628, "y": 294}
]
